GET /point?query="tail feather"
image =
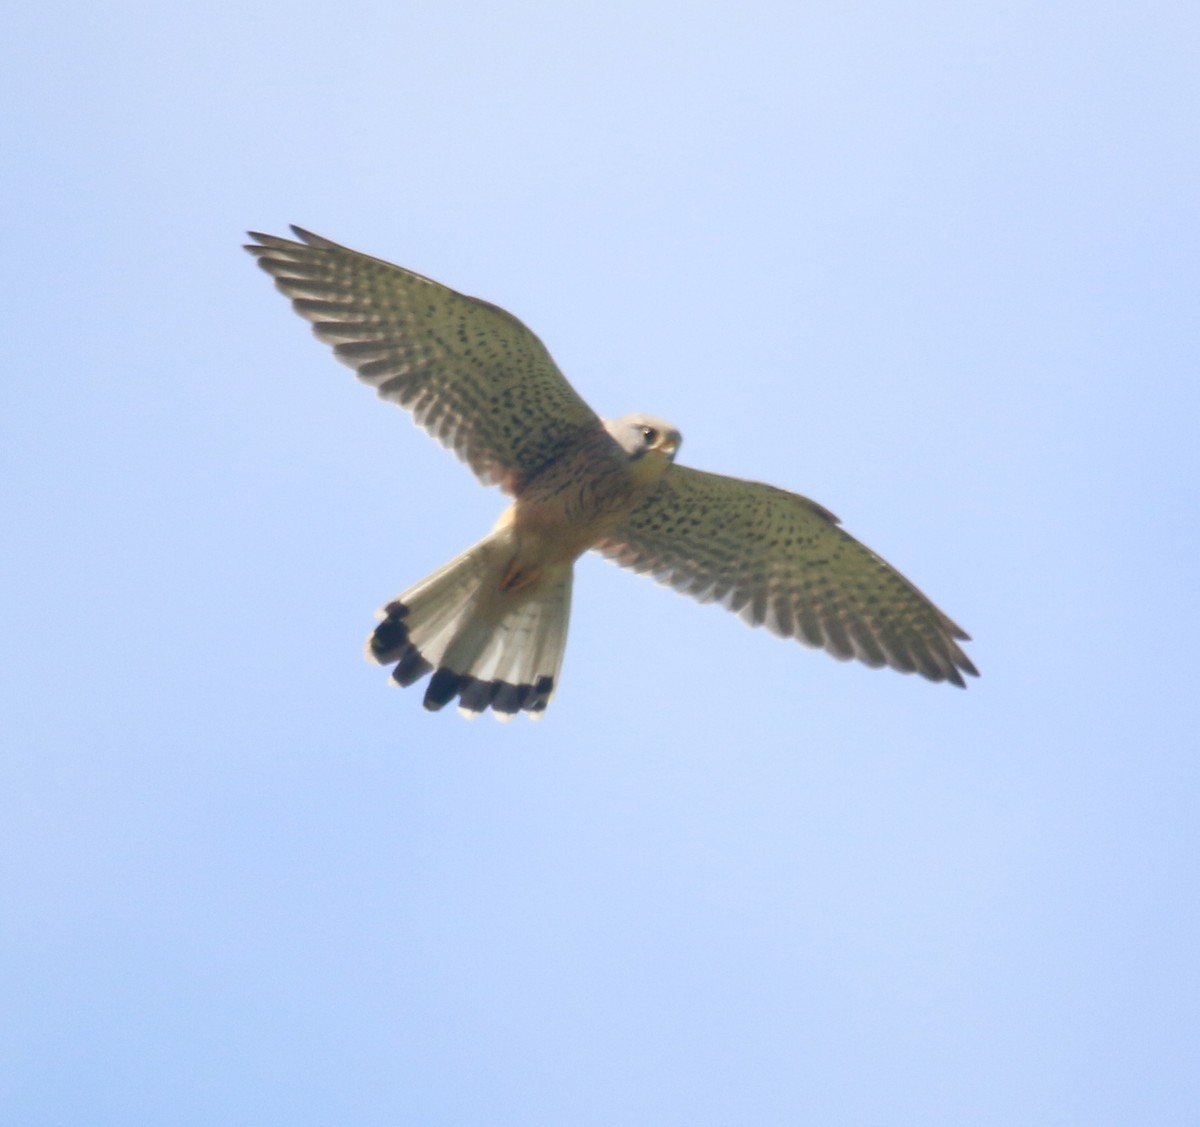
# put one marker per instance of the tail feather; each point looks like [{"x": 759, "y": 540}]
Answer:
[{"x": 489, "y": 646}]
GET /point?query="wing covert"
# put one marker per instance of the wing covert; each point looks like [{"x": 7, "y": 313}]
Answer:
[
  {"x": 780, "y": 560},
  {"x": 471, "y": 374}
]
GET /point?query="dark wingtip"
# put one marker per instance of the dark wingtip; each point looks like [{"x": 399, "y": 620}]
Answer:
[
  {"x": 264, "y": 242},
  {"x": 966, "y": 665},
  {"x": 310, "y": 238},
  {"x": 963, "y": 663}
]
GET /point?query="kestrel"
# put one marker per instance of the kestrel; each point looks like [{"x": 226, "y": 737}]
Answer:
[{"x": 491, "y": 625}]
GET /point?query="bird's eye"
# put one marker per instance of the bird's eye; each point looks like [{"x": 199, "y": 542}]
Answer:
[{"x": 650, "y": 435}]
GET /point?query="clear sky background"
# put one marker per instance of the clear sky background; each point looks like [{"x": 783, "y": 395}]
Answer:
[{"x": 932, "y": 264}]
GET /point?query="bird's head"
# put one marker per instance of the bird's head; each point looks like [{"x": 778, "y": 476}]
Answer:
[{"x": 642, "y": 436}]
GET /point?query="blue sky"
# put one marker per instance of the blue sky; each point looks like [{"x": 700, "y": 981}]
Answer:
[{"x": 933, "y": 265}]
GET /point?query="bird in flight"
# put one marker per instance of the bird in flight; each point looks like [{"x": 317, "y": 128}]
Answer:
[{"x": 491, "y": 625}]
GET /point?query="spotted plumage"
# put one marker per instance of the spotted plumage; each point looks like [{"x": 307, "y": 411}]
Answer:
[{"x": 491, "y": 625}]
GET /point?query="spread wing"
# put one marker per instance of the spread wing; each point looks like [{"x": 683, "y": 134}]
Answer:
[
  {"x": 780, "y": 560},
  {"x": 472, "y": 374}
]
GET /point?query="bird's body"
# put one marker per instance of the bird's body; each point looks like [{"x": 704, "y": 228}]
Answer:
[
  {"x": 491, "y": 625},
  {"x": 585, "y": 495}
]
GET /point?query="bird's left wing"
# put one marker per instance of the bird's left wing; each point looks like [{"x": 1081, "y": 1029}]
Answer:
[
  {"x": 781, "y": 560},
  {"x": 473, "y": 375}
]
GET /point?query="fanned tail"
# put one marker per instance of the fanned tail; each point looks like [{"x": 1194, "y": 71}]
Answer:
[{"x": 487, "y": 645}]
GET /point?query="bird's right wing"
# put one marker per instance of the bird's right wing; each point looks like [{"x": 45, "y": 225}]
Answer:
[
  {"x": 473, "y": 375},
  {"x": 781, "y": 560}
]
